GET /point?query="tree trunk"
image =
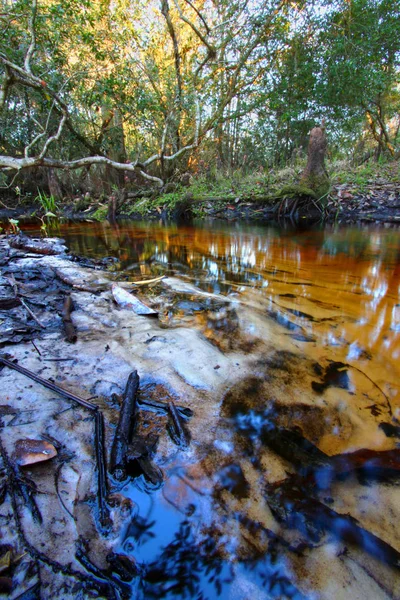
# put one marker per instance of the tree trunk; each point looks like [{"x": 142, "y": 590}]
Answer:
[
  {"x": 54, "y": 185},
  {"x": 315, "y": 176}
]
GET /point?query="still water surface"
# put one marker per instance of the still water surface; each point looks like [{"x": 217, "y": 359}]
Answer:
[{"x": 334, "y": 295}]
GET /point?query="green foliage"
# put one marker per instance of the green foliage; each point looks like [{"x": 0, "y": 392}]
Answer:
[
  {"x": 113, "y": 65},
  {"x": 48, "y": 203},
  {"x": 14, "y": 225},
  {"x": 100, "y": 214}
]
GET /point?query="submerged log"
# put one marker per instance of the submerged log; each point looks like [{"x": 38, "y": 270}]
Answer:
[{"x": 125, "y": 427}]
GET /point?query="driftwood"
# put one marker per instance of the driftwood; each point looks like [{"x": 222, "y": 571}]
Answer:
[
  {"x": 125, "y": 426},
  {"x": 70, "y": 331},
  {"x": 129, "y": 301},
  {"x": 176, "y": 427},
  {"x": 37, "y": 246}
]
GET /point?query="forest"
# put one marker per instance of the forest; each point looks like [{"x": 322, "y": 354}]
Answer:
[{"x": 102, "y": 95}]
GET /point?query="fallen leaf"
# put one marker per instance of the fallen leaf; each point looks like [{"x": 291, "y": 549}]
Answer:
[{"x": 28, "y": 452}]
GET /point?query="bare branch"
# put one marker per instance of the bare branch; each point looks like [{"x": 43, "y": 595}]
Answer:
[
  {"x": 5, "y": 84},
  {"x": 199, "y": 15},
  {"x": 152, "y": 178},
  {"x": 54, "y": 137},
  {"x": 32, "y": 45},
  {"x": 209, "y": 47}
]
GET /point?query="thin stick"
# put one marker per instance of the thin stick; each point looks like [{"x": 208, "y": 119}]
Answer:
[
  {"x": 36, "y": 348},
  {"x": 14, "y": 286},
  {"x": 101, "y": 468},
  {"x": 184, "y": 411},
  {"x": 47, "y": 384},
  {"x": 32, "y": 314}
]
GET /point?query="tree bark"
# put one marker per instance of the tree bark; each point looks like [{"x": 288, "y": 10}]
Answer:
[{"x": 315, "y": 176}]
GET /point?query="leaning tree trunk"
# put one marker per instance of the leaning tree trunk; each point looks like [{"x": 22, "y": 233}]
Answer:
[{"x": 315, "y": 176}]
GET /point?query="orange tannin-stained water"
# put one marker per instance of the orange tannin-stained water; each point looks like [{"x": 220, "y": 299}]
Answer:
[{"x": 342, "y": 286}]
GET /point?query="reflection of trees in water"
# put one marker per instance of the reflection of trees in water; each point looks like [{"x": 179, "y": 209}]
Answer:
[{"x": 187, "y": 568}]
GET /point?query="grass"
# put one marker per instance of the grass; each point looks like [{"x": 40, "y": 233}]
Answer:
[{"x": 48, "y": 203}]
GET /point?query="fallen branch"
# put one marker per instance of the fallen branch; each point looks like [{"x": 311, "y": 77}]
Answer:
[
  {"x": 102, "y": 490},
  {"x": 176, "y": 428},
  {"x": 37, "y": 246},
  {"x": 184, "y": 412},
  {"x": 124, "y": 428}
]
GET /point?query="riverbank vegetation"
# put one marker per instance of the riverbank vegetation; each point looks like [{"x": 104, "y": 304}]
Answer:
[{"x": 121, "y": 104}]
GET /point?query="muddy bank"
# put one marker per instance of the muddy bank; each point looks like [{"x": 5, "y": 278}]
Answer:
[{"x": 276, "y": 475}]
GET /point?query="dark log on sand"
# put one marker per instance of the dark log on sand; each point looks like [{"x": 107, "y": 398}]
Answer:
[{"x": 125, "y": 428}]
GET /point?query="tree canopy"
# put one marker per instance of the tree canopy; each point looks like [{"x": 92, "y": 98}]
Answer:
[{"x": 149, "y": 88}]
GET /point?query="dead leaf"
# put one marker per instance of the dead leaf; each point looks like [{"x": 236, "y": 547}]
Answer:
[{"x": 28, "y": 452}]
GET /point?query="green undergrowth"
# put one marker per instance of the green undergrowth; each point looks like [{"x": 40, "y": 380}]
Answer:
[
  {"x": 216, "y": 191},
  {"x": 213, "y": 192},
  {"x": 360, "y": 178}
]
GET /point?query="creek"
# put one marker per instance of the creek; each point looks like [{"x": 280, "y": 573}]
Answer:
[{"x": 267, "y": 334}]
